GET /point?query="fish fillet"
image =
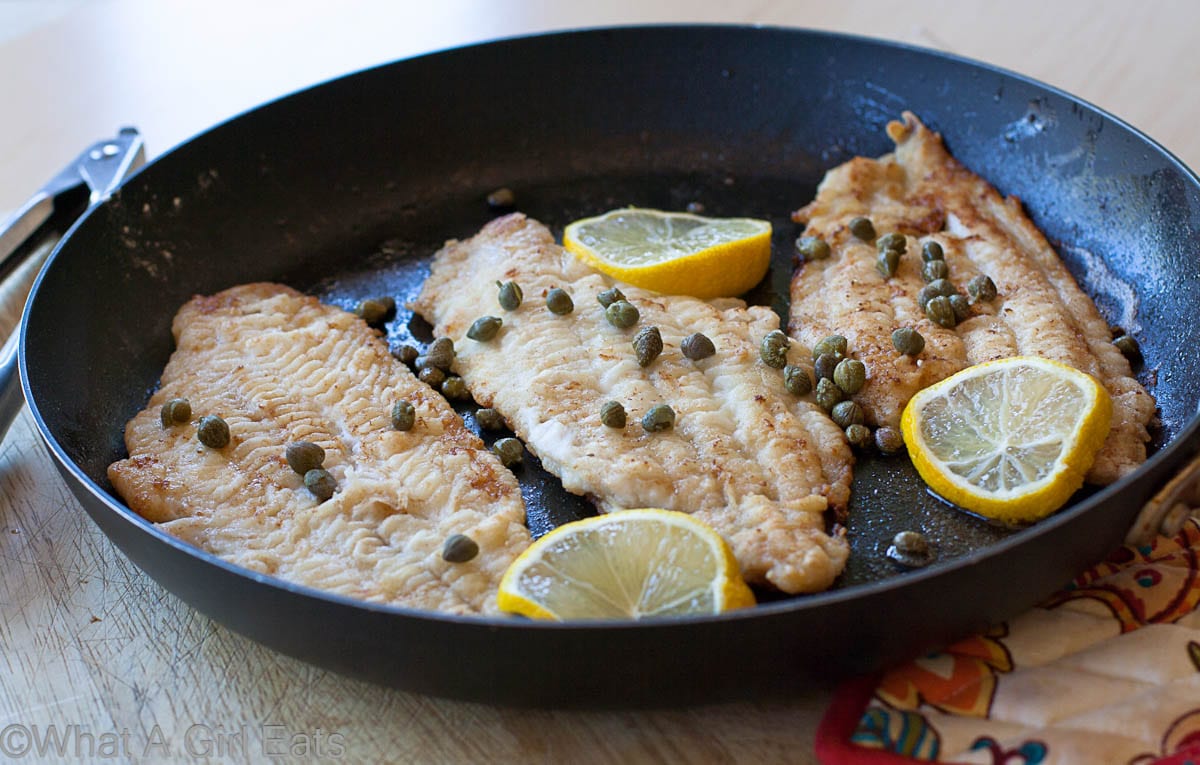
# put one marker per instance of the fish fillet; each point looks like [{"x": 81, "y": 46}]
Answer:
[
  {"x": 280, "y": 367},
  {"x": 754, "y": 462},
  {"x": 924, "y": 193}
]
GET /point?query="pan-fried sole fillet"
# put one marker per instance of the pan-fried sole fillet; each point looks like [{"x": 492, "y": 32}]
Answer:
[
  {"x": 754, "y": 462},
  {"x": 925, "y": 194},
  {"x": 280, "y": 367}
]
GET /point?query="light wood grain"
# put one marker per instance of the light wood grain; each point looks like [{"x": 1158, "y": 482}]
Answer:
[{"x": 89, "y": 645}]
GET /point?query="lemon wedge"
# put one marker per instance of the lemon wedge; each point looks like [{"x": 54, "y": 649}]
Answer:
[
  {"x": 674, "y": 253},
  {"x": 1010, "y": 439},
  {"x": 629, "y": 564}
]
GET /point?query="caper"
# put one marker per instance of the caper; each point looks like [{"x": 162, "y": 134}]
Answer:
[
  {"x": 835, "y": 344},
  {"x": 863, "y": 229},
  {"x": 485, "y": 328},
  {"x": 320, "y": 483},
  {"x": 812, "y": 248},
  {"x": 440, "y": 353},
  {"x": 406, "y": 353},
  {"x": 502, "y": 198},
  {"x": 459, "y": 548},
  {"x": 847, "y": 413},
  {"x": 796, "y": 380},
  {"x": 432, "y": 376},
  {"x": 1127, "y": 345},
  {"x": 981, "y": 288},
  {"x": 489, "y": 419},
  {"x": 887, "y": 262},
  {"x": 936, "y": 288},
  {"x": 934, "y": 270},
  {"x": 303, "y": 456},
  {"x": 888, "y": 439},
  {"x": 931, "y": 250},
  {"x": 910, "y": 549},
  {"x": 510, "y": 295},
  {"x": 960, "y": 306},
  {"x": 404, "y": 415},
  {"x": 647, "y": 344},
  {"x": 454, "y": 389},
  {"x": 612, "y": 414},
  {"x": 850, "y": 375},
  {"x": 559, "y": 302},
  {"x": 621, "y": 314},
  {"x": 175, "y": 411},
  {"x": 940, "y": 312},
  {"x": 825, "y": 364},
  {"x": 610, "y": 296},
  {"x": 774, "y": 348},
  {"x": 858, "y": 435},
  {"x": 212, "y": 431},
  {"x": 893, "y": 240},
  {"x": 660, "y": 417},
  {"x": 509, "y": 450},
  {"x": 375, "y": 310},
  {"x": 828, "y": 394},
  {"x": 697, "y": 346},
  {"x": 908, "y": 341}
]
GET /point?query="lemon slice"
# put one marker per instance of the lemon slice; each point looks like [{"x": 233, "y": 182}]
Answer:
[
  {"x": 1010, "y": 439},
  {"x": 629, "y": 564},
  {"x": 674, "y": 253}
]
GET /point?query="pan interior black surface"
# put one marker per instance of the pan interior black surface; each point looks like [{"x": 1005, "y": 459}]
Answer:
[{"x": 345, "y": 190}]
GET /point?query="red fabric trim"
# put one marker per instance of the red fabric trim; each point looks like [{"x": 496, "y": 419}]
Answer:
[
  {"x": 839, "y": 722},
  {"x": 1188, "y": 756}
]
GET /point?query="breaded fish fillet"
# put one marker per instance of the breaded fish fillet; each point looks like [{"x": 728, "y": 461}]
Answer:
[
  {"x": 279, "y": 367},
  {"x": 923, "y": 193},
  {"x": 747, "y": 457}
]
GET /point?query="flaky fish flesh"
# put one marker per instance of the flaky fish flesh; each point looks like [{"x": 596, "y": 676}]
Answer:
[
  {"x": 281, "y": 367},
  {"x": 923, "y": 193},
  {"x": 756, "y": 463}
]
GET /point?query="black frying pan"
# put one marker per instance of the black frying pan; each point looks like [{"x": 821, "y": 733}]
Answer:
[{"x": 346, "y": 189}]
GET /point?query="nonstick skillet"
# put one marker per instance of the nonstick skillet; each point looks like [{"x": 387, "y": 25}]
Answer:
[{"x": 346, "y": 189}]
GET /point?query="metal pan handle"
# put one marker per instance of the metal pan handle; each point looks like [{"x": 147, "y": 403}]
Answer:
[{"x": 10, "y": 383}]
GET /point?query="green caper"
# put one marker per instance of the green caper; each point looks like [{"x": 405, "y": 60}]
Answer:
[
  {"x": 847, "y": 413},
  {"x": 303, "y": 456},
  {"x": 509, "y": 450},
  {"x": 432, "y": 376},
  {"x": 893, "y": 240},
  {"x": 797, "y": 381},
  {"x": 213, "y": 432},
  {"x": 660, "y": 417},
  {"x": 828, "y": 394},
  {"x": 1127, "y": 345},
  {"x": 510, "y": 295},
  {"x": 910, "y": 549},
  {"x": 502, "y": 198},
  {"x": 404, "y": 415},
  {"x": 454, "y": 389},
  {"x": 175, "y": 411},
  {"x": 931, "y": 250},
  {"x": 647, "y": 344},
  {"x": 375, "y": 310},
  {"x": 850, "y": 375},
  {"x": 940, "y": 312},
  {"x": 825, "y": 364},
  {"x": 559, "y": 302},
  {"x": 459, "y": 548},
  {"x": 858, "y": 435},
  {"x": 888, "y": 440},
  {"x": 440, "y": 353},
  {"x": 981, "y": 288},
  {"x": 610, "y": 296},
  {"x": 320, "y": 483},
  {"x": 621, "y": 314},
  {"x": 887, "y": 262},
  {"x": 812, "y": 248},
  {"x": 835, "y": 344},
  {"x": 933, "y": 270},
  {"x": 485, "y": 328},
  {"x": 406, "y": 353},
  {"x": 908, "y": 341},
  {"x": 936, "y": 288},
  {"x": 697, "y": 346},
  {"x": 774, "y": 348},
  {"x": 612, "y": 414},
  {"x": 489, "y": 419},
  {"x": 863, "y": 229},
  {"x": 961, "y": 307}
]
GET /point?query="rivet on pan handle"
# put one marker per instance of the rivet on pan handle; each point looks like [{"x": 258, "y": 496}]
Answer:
[{"x": 1167, "y": 510}]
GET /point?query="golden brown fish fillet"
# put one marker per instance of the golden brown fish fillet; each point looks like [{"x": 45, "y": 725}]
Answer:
[
  {"x": 745, "y": 456},
  {"x": 925, "y": 194},
  {"x": 280, "y": 367}
]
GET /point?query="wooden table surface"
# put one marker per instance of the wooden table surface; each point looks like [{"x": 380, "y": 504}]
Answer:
[{"x": 88, "y": 644}]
